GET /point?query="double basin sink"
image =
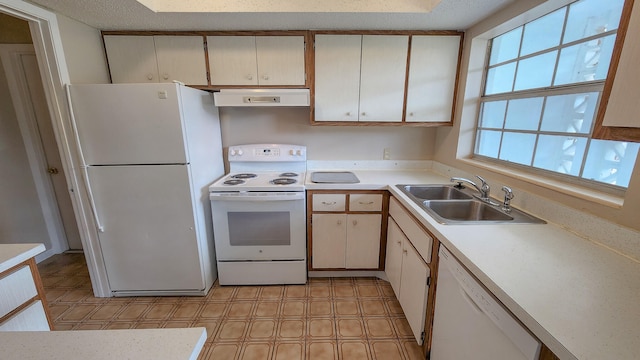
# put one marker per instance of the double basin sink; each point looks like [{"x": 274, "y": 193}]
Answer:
[{"x": 449, "y": 204}]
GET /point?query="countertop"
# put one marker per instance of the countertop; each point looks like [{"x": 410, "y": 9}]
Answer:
[
  {"x": 139, "y": 344},
  {"x": 13, "y": 254},
  {"x": 578, "y": 297}
]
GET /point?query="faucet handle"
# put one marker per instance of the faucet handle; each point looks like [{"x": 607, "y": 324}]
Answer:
[
  {"x": 508, "y": 193},
  {"x": 484, "y": 186}
]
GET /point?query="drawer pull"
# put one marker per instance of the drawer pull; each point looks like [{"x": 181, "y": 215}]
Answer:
[
  {"x": 355, "y": 222},
  {"x": 328, "y": 203},
  {"x": 365, "y": 203}
]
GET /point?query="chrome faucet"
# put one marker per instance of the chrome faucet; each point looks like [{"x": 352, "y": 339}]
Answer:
[
  {"x": 508, "y": 195},
  {"x": 483, "y": 189}
]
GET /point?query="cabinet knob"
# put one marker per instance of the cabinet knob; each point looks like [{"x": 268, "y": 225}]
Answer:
[
  {"x": 339, "y": 222},
  {"x": 348, "y": 113},
  {"x": 265, "y": 77},
  {"x": 410, "y": 114},
  {"x": 404, "y": 251},
  {"x": 364, "y": 113},
  {"x": 249, "y": 77},
  {"x": 399, "y": 242},
  {"x": 149, "y": 76},
  {"x": 165, "y": 76},
  {"x": 355, "y": 222},
  {"x": 328, "y": 203}
]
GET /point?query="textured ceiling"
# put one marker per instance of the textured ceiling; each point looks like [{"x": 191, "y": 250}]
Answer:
[{"x": 131, "y": 15}]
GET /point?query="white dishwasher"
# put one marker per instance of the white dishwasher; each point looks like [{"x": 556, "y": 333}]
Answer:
[{"x": 470, "y": 324}]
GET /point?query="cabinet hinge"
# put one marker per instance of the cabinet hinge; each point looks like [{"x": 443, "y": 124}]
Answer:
[
  {"x": 422, "y": 336},
  {"x": 429, "y": 281}
]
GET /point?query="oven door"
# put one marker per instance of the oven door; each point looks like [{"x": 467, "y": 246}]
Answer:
[{"x": 259, "y": 225}]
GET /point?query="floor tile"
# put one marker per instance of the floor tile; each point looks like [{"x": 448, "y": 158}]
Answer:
[{"x": 344, "y": 318}]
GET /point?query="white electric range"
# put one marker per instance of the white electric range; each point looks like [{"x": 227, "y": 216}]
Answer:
[{"x": 259, "y": 216}]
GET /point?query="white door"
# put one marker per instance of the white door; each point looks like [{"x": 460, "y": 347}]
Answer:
[
  {"x": 181, "y": 58},
  {"x": 280, "y": 60},
  {"x": 393, "y": 265},
  {"x": 329, "y": 236},
  {"x": 432, "y": 78},
  {"x": 232, "y": 60},
  {"x": 52, "y": 221},
  {"x": 149, "y": 240},
  {"x": 382, "y": 77},
  {"x": 337, "y": 79},
  {"x": 129, "y": 123},
  {"x": 414, "y": 289},
  {"x": 363, "y": 241},
  {"x": 132, "y": 59}
]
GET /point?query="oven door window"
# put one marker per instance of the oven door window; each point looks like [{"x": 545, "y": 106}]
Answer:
[{"x": 259, "y": 228}]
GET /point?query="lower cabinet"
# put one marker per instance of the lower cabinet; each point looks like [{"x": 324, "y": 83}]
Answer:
[
  {"x": 408, "y": 267},
  {"x": 22, "y": 300},
  {"x": 346, "y": 230}
]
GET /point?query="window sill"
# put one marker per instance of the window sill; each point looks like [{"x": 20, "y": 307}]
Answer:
[{"x": 603, "y": 198}]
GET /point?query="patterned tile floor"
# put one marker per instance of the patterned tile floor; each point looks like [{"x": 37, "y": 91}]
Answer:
[{"x": 328, "y": 318}]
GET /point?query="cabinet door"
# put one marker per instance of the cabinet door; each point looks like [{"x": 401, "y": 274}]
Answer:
[
  {"x": 280, "y": 60},
  {"x": 393, "y": 265},
  {"x": 181, "y": 58},
  {"x": 337, "y": 77},
  {"x": 414, "y": 289},
  {"x": 432, "y": 76},
  {"x": 329, "y": 236},
  {"x": 132, "y": 59},
  {"x": 363, "y": 241},
  {"x": 232, "y": 60},
  {"x": 382, "y": 77},
  {"x": 31, "y": 318}
]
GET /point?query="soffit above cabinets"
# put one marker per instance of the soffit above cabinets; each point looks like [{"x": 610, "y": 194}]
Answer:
[{"x": 130, "y": 14}]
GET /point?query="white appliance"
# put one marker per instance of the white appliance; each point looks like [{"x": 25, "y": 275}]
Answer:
[
  {"x": 259, "y": 216},
  {"x": 149, "y": 152},
  {"x": 470, "y": 324}
]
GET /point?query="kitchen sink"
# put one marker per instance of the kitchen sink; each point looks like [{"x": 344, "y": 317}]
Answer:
[
  {"x": 448, "y": 204},
  {"x": 470, "y": 210},
  {"x": 435, "y": 192}
]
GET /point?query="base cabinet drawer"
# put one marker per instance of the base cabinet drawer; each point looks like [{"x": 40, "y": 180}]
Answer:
[
  {"x": 31, "y": 318},
  {"x": 16, "y": 288}
]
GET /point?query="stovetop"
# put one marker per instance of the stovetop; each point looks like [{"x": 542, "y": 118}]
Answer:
[{"x": 264, "y": 167}]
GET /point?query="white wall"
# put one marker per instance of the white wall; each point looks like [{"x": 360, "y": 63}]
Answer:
[
  {"x": 21, "y": 219},
  {"x": 83, "y": 52},
  {"x": 454, "y": 144},
  {"x": 292, "y": 126}
]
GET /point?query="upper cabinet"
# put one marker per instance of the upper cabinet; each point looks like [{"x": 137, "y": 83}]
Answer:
[
  {"x": 433, "y": 72},
  {"x": 257, "y": 60},
  {"x": 160, "y": 58},
  {"x": 385, "y": 78},
  {"x": 617, "y": 117}
]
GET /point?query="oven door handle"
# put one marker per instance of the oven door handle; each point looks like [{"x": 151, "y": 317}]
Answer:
[{"x": 257, "y": 196}]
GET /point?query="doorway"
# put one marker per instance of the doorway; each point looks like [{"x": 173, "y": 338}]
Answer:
[{"x": 41, "y": 207}]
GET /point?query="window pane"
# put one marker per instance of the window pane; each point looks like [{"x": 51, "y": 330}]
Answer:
[
  {"x": 586, "y": 61},
  {"x": 572, "y": 113},
  {"x": 493, "y": 114},
  {"x": 592, "y": 17},
  {"x": 505, "y": 47},
  {"x": 524, "y": 114},
  {"x": 543, "y": 33},
  {"x": 561, "y": 154},
  {"x": 610, "y": 162},
  {"x": 500, "y": 79},
  {"x": 488, "y": 143},
  {"x": 517, "y": 147},
  {"x": 536, "y": 72}
]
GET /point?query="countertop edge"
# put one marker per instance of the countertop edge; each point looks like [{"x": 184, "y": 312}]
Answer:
[{"x": 13, "y": 254}]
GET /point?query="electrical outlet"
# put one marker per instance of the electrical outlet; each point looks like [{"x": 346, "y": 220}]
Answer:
[{"x": 386, "y": 155}]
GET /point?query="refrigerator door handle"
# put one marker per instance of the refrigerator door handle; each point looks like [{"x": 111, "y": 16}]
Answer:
[{"x": 83, "y": 165}]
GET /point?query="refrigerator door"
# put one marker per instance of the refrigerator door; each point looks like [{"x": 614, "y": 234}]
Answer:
[
  {"x": 129, "y": 123},
  {"x": 150, "y": 240}
]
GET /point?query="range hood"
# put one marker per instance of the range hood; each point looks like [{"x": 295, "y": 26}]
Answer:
[{"x": 262, "y": 97}]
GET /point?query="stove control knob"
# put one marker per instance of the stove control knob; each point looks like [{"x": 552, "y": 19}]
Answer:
[
  {"x": 299, "y": 152},
  {"x": 239, "y": 152},
  {"x": 292, "y": 152}
]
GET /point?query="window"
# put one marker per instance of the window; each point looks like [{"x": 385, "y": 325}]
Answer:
[{"x": 543, "y": 83}]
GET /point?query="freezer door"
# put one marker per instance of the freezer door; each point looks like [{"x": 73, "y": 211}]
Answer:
[
  {"x": 149, "y": 240},
  {"x": 129, "y": 123}
]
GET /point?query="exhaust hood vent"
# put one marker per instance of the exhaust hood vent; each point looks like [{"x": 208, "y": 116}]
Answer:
[{"x": 262, "y": 97}]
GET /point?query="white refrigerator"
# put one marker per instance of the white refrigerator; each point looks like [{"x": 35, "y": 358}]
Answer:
[{"x": 149, "y": 153}]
